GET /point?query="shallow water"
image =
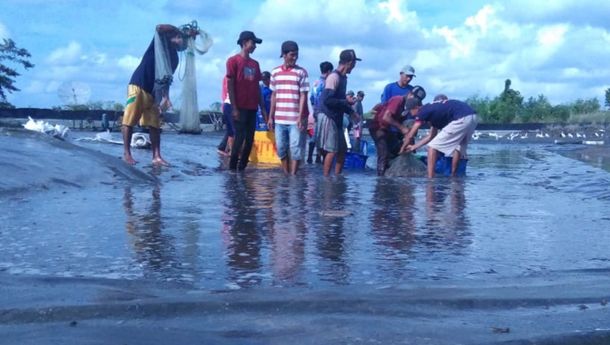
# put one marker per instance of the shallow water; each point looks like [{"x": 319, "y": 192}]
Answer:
[{"x": 523, "y": 212}]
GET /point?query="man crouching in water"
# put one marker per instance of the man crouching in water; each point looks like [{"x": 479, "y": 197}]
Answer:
[
  {"x": 451, "y": 122},
  {"x": 148, "y": 90}
]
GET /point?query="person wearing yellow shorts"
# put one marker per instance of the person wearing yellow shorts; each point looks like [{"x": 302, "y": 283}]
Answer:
[{"x": 148, "y": 90}]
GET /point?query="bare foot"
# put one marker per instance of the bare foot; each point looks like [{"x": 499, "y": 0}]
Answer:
[
  {"x": 160, "y": 162},
  {"x": 129, "y": 160}
]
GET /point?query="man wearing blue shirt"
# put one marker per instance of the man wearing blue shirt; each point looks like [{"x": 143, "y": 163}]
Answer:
[
  {"x": 451, "y": 122},
  {"x": 400, "y": 87}
]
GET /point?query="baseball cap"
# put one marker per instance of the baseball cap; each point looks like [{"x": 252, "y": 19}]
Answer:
[
  {"x": 418, "y": 92},
  {"x": 411, "y": 103},
  {"x": 350, "y": 93},
  {"x": 348, "y": 55},
  {"x": 408, "y": 70},
  {"x": 248, "y": 35},
  {"x": 289, "y": 46}
]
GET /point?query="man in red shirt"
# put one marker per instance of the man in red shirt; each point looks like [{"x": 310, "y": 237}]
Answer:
[
  {"x": 243, "y": 77},
  {"x": 392, "y": 114}
]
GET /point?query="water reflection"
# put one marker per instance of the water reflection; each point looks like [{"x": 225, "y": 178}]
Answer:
[
  {"x": 330, "y": 240},
  {"x": 153, "y": 249},
  {"x": 240, "y": 234},
  {"x": 392, "y": 218},
  {"x": 447, "y": 224},
  {"x": 287, "y": 230}
]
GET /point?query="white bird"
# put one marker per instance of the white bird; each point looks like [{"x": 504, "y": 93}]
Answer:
[
  {"x": 539, "y": 135},
  {"x": 563, "y": 135},
  {"x": 570, "y": 135}
]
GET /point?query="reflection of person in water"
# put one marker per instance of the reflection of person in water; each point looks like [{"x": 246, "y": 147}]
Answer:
[
  {"x": 153, "y": 249},
  {"x": 287, "y": 228},
  {"x": 447, "y": 223},
  {"x": 243, "y": 241},
  {"x": 330, "y": 239},
  {"x": 392, "y": 219}
]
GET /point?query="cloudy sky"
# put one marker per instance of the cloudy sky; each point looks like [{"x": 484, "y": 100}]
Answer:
[{"x": 559, "y": 48}]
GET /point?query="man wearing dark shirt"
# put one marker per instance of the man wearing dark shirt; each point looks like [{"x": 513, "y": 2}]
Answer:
[
  {"x": 148, "y": 90},
  {"x": 451, "y": 122},
  {"x": 333, "y": 106}
]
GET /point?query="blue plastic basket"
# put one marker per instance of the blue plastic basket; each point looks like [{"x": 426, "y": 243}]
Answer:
[
  {"x": 355, "y": 161},
  {"x": 443, "y": 165}
]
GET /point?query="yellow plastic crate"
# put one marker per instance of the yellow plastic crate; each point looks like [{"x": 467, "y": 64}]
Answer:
[{"x": 264, "y": 149}]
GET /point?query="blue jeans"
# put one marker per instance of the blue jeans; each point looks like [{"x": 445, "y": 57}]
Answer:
[{"x": 289, "y": 139}]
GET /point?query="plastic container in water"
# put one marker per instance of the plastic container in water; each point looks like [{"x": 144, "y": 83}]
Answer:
[
  {"x": 264, "y": 149},
  {"x": 443, "y": 165},
  {"x": 355, "y": 161}
]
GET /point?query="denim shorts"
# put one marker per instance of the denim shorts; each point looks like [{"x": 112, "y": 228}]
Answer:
[{"x": 289, "y": 139}]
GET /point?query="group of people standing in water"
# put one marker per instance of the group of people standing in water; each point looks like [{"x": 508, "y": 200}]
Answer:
[{"x": 282, "y": 106}]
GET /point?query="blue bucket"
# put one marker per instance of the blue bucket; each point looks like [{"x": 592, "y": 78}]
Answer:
[
  {"x": 443, "y": 165},
  {"x": 355, "y": 161}
]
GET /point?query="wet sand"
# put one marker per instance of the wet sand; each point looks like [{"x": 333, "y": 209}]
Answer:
[{"x": 94, "y": 311}]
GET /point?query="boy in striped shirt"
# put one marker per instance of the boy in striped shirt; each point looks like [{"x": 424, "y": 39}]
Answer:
[{"x": 290, "y": 84}]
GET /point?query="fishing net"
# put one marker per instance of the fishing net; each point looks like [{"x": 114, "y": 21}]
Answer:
[
  {"x": 163, "y": 70},
  {"x": 406, "y": 165},
  {"x": 189, "y": 110}
]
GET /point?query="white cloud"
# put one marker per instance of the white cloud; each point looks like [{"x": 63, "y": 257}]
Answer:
[
  {"x": 66, "y": 55},
  {"x": 4, "y": 33},
  {"x": 552, "y": 36},
  {"x": 482, "y": 20},
  {"x": 555, "y": 47},
  {"x": 128, "y": 62}
]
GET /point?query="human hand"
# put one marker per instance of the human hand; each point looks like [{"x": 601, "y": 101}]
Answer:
[
  {"x": 302, "y": 125},
  {"x": 408, "y": 148},
  {"x": 235, "y": 114},
  {"x": 165, "y": 104},
  {"x": 270, "y": 123}
]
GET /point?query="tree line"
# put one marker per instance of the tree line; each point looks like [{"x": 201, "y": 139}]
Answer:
[{"x": 510, "y": 107}]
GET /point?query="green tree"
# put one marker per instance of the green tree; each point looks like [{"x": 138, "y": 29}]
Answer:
[
  {"x": 506, "y": 107},
  {"x": 560, "y": 113},
  {"x": 607, "y": 98},
  {"x": 536, "y": 110},
  {"x": 481, "y": 106},
  {"x": 10, "y": 53},
  {"x": 585, "y": 106}
]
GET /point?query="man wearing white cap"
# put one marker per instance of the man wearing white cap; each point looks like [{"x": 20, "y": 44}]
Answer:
[{"x": 400, "y": 87}]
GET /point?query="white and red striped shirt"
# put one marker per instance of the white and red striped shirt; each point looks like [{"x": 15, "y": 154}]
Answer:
[{"x": 287, "y": 84}]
